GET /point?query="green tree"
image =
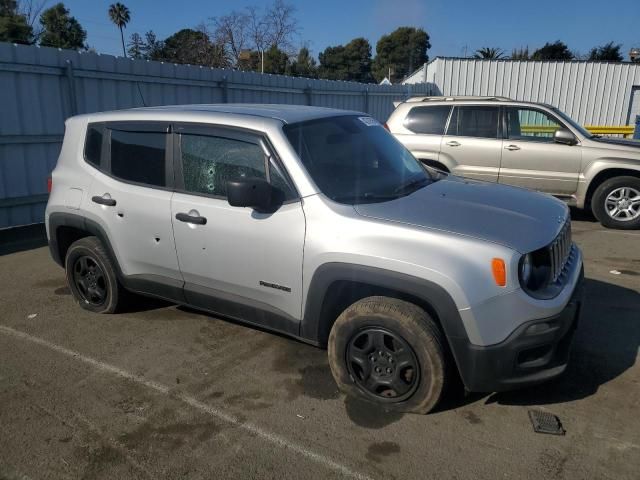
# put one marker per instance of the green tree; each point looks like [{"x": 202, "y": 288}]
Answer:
[
  {"x": 276, "y": 61},
  {"x": 400, "y": 52},
  {"x": 119, "y": 15},
  {"x": 489, "y": 53},
  {"x": 14, "y": 27},
  {"x": 193, "y": 47},
  {"x": 553, "y": 51},
  {"x": 304, "y": 65},
  {"x": 61, "y": 30},
  {"x": 153, "y": 48},
  {"x": 520, "y": 54},
  {"x": 347, "y": 62},
  {"x": 136, "y": 46},
  {"x": 607, "y": 52}
]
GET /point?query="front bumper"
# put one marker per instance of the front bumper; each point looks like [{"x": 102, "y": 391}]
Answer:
[{"x": 536, "y": 351}]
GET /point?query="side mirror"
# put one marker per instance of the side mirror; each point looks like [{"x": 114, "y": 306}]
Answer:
[
  {"x": 565, "y": 137},
  {"x": 256, "y": 193}
]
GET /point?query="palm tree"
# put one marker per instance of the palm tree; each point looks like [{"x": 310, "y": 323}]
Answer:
[
  {"x": 489, "y": 53},
  {"x": 119, "y": 15}
]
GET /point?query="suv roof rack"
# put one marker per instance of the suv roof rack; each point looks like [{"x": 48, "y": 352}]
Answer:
[{"x": 458, "y": 98}]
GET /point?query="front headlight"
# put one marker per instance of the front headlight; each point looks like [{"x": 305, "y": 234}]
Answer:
[
  {"x": 526, "y": 270},
  {"x": 534, "y": 270}
]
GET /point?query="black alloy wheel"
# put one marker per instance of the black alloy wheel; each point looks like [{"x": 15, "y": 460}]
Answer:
[
  {"x": 90, "y": 281},
  {"x": 382, "y": 364}
]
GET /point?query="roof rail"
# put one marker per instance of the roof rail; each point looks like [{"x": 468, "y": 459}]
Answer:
[{"x": 458, "y": 98}]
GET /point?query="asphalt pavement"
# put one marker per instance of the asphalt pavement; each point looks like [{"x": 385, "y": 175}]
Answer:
[{"x": 168, "y": 392}]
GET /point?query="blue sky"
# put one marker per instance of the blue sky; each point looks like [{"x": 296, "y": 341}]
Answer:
[{"x": 454, "y": 25}]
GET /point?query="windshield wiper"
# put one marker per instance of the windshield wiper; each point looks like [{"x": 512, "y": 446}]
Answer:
[
  {"x": 412, "y": 185},
  {"x": 368, "y": 196}
]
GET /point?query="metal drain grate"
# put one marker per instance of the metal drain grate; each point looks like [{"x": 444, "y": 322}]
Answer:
[{"x": 544, "y": 422}]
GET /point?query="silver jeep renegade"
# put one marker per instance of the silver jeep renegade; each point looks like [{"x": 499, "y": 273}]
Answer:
[{"x": 318, "y": 224}]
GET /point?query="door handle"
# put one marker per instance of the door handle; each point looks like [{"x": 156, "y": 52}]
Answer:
[
  {"x": 196, "y": 220},
  {"x": 512, "y": 147},
  {"x": 453, "y": 143},
  {"x": 109, "y": 202}
]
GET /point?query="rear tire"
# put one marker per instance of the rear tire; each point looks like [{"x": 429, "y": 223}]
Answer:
[
  {"x": 390, "y": 352},
  {"x": 616, "y": 203},
  {"x": 92, "y": 278}
]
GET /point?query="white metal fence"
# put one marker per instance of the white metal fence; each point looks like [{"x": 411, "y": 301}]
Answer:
[
  {"x": 592, "y": 93},
  {"x": 41, "y": 87}
]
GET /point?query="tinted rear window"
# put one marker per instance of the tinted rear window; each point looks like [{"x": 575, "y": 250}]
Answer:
[
  {"x": 474, "y": 121},
  {"x": 139, "y": 157},
  {"x": 93, "y": 145},
  {"x": 427, "y": 120}
]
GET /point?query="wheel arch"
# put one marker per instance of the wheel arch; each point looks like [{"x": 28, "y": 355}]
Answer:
[
  {"x": 604, "y": 175},
  {"x": 66, "y": 228},
  {"x": 335, "y": 286}
]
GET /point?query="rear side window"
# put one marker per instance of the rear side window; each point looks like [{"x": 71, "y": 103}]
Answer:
[
  {"x": 427, "y": 120},
  {"x": 93, "y": 144},
  {"x": 474, "y": 121},
  {"x": 139, "y": 157}
]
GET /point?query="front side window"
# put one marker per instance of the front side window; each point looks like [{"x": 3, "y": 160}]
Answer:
[
  {"x": 354, "y": 160},
  {"x": 427, "y": 120},
  {"x": 209, "y": 162},
  {"x": 474, "y": 121},
  {"x": 530, "y": 124},
  {"x": 139, "y": 157}
]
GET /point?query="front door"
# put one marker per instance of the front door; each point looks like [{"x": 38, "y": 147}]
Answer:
[
  {"x": 236, "y": 261},
  {"x": 472, "y": 142},
  {"x": 532, "y": 159}
]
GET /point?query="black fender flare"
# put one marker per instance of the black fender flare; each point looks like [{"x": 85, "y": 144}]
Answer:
[{"x": 314, "y": 326}]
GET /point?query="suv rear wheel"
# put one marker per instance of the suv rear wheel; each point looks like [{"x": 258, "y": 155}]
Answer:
[
  {"x": 92, "y": 277},
  {"x": 616, "y": 203},
  {"x": 388, "y": 351}
]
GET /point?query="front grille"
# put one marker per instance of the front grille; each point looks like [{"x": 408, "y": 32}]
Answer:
[{"x": 559, "y": 251}]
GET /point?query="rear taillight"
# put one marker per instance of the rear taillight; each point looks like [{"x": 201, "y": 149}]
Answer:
[
  {"x": 386, "y": 126},
  {"x": 49, "y": 184}
]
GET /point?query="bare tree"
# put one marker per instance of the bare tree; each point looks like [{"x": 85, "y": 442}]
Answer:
[
  {"x": 232, "y": 31},
  {"x": 282, "y": 25},
  {"x": 32, "y": 9},
  {"x": 257, "y": 30},
  {"x": 258, "y": 33}
]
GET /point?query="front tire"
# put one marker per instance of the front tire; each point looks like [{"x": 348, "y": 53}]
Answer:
[
  {"x": 91, "y": 276},
  {"x": 616, "y": 203},
  {"x": 390, "y": 352}
]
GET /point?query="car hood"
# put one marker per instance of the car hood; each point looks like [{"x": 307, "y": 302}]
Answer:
[
  {"x": 620, "y": 145},
  {"x": 510, "y": 216}
]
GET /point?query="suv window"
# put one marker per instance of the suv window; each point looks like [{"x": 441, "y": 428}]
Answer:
[
  {"x": 208, "y": 162},
  {"x": 139, "y": 157},
  {"x": 474, "y": 121},
  {"x": 93, "y": 144},
  {"x": 353, "y": 160},
  {"x": 428, "y": 120},
  {"x": 531, "y": 124}
]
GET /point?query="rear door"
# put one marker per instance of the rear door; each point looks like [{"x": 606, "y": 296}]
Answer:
[
  {"x": 425, "y": 127},
  {"x": 472, "y": 143},
  {"x": 130, "y": 197},
  {"x": 532, "y": 159},
  {"x": 236, "y": 261}
]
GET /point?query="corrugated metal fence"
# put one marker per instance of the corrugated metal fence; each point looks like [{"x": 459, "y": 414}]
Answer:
[
  {"x": 41, "y": 87},
  {"x": 592, "y": 93}
]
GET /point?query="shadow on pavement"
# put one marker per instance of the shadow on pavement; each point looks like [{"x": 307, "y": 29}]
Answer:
[
  {"x": 605, "y": 346},
  {"x": 18, "y": 239}
]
